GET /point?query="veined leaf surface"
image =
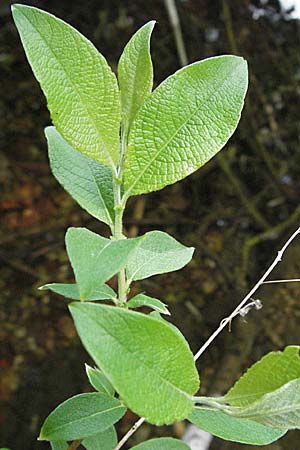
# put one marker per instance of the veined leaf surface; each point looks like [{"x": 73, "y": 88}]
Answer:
[
  {"x": 184, "y": 123},
  {"x": 154, "y": 373},
  {"x": 81, "y": 90}
]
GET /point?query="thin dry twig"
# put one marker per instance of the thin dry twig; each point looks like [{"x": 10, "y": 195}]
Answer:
[
  {"x": 129, "y": 433},
  {"x": 292, "y": 280},
  {"x": 237, "y": 310}
]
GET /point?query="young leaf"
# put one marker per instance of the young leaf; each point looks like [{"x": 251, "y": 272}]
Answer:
[
  {"x": 184, "y": 123},
  {"x": 106, "y": 440},
  {"x": 144, "y": 300},
  {"x": 81, "y": 90},
  {"x": 233, "y": 429},
  {"x": 154, "y": 371},
  {"x": 158, "y": 253},
  {"x": 162, "y": 444},
  {"x": 81, "y": 416},
  {"x": 99, "y": 381},
  {"x": 87, "y": 181},
  {"x": 270, "y": 373},
  {"x": 103, "y": 292},
  {"x": 280, "y": 408},
  {"x": 96, "y": 259},
  {"x": 135, "y": 73},
  {"x": 59, "y": 445}
]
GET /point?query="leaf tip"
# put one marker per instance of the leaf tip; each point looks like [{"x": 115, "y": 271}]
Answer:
[{"x": 43, "y": 288}]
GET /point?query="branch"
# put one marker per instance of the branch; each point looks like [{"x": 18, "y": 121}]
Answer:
[
  {"x": 130, "y": 433},
  {"x": 237, "y": 310}
]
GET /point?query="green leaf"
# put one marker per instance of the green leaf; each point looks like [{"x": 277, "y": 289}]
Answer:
[
  {"x": 162, "y": 444},
  {"x": 87, "y": 181},
  {"x": 184, "y": 123},
  {"x": 158, "y": 253},
  {"x": 135, "y": 73},
  {"x": 59, "y": 445},
  {"x": 81, "y": 90},
  {"x": 144, "y": 300},
  {"x": 96, "y": 259},
  {"x": 146, "y": 361},
  {"x": 280, "y": 408},
  {"x": 233, "y": 429},
  {"x": 99, "y": 381},
  {"x": 103, "y": 292},
  {"x": 270, "y": 373},
  {"x": 81, "y": 416},
  {"x": 106, "y": 440}
]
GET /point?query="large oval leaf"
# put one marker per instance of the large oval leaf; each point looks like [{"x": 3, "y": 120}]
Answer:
[
  {"x": 234, "y": 429},
  {"x": 184, "y": 123},
  {"x": 162, "y": 444},
  {"x": 81, "y": 416},
  {"x": 87, "y": 181},
  {"x": 147, "y": 362},
  {"x": 81, "y": 90}
]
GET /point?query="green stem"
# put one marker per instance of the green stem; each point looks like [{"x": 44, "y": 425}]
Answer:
[{"x": 119, "y": 211}]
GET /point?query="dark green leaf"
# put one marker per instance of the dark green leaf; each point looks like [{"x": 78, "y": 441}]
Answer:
[{"x": 81, "y": 416}]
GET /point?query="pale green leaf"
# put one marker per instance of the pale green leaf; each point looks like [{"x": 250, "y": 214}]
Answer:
[
  {"x": 233, "y": 429},
  {"x": 58, "y": 445},
  {"x": 99, "y": 381},
  {"x": 135, "y": 73},
  {"x": 81, "y": 90},
  {"x": 81, "y": 416},
  {"x": 87, "y": 181},
  {"x": 154, "y": 371},
  {"x": 164, "y": 443},
  {"x": 184, "y": 123},
  {"x": 158, "y": 253},
  {"x": 144, "y": 300},
  {"x": 271, "y": 372},
  {"x": 106, "y": 440},
  {"x": 280, "y": 408},
  {"x": 103, "y": 292},
  {"x": 96, "y": 259}
]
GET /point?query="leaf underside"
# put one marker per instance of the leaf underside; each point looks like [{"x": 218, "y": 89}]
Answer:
[
  {"x": 87, "y": 181},
  {"x": 232, "y": 428}
]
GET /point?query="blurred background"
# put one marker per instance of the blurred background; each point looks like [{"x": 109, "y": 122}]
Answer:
[{"x": 237, "y": 210}]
